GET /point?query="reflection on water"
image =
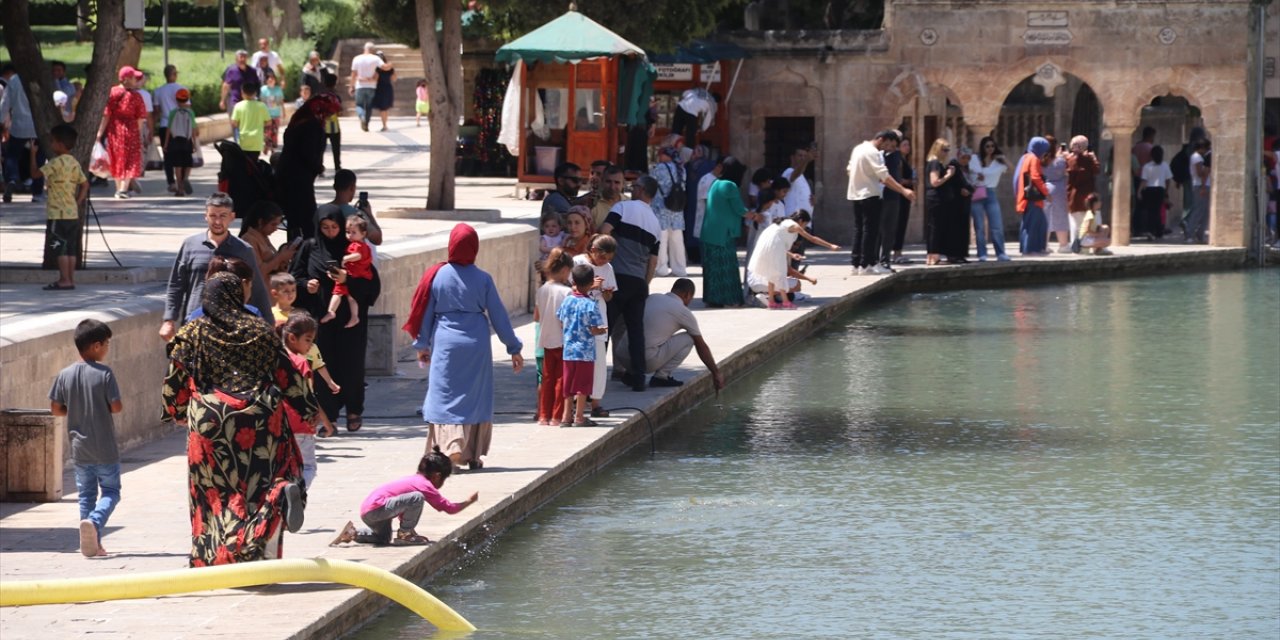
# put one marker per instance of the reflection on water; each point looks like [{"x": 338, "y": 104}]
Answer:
[{"x": 1098, "y": 460}]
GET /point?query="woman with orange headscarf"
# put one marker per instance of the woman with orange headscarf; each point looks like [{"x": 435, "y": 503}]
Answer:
[{"x": 453, "y": 307}]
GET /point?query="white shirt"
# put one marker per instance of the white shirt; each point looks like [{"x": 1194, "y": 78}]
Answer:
[
  {"x": 146, "y": 100},
  {"x": 604, "y": 271},
  {"x": 866, "y": 170},
  {"x": 1156, "y": 175},
  {"x": 550, "y": 295},
  {"x": 990, "y": 174},
  {"x": 366, "y": 67},
  {"x": 704, "y": 187},
  {"x": 699, "y": 102},
  {"x": 273, "y": 59},
  {"x": 800, "y": 196},
  {"x": 665, "y": 315},
  {"x": 167, "y": 96},
  {"x": 1196, "y": 180}
]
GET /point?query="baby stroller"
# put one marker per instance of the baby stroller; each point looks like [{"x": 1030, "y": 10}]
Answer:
[{"x": 247, "y": 181}]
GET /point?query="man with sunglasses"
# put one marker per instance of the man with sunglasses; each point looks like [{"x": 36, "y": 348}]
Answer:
[{"x": 568, "y": 178}]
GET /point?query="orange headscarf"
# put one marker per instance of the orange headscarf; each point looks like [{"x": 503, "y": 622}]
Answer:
[{"x": 464, "y": 244}]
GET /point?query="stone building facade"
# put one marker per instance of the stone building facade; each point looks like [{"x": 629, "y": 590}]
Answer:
[{"x": 947, "y": 68}]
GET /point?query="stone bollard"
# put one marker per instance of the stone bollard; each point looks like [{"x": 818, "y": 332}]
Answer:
[
  {"x": 30, "y": 456},
  {"x": 380, "y": 352}
]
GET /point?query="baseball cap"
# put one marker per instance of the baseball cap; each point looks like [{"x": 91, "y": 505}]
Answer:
[
  {"x": 182, "y": 95},
  {"x": 129, "y": 72}
]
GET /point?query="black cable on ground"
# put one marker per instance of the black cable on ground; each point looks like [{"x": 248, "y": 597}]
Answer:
[{"x": 88, "y": 202}]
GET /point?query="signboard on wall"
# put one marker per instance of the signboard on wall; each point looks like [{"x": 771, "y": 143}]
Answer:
[
  {"x": 709, "y": 72},
  {"x": 674, "y": 72}
]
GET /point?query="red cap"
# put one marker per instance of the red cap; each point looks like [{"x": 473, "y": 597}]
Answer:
[{"x": 129, "y": 72}]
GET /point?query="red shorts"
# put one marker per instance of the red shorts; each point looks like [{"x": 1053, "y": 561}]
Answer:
[{"x": 579, "y": 376}]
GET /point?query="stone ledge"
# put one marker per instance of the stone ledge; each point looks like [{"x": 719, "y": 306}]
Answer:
[{"x": 25, "y": 274}]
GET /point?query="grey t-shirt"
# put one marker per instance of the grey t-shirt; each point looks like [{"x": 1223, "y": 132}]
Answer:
[{"x": 87, "y": 389}]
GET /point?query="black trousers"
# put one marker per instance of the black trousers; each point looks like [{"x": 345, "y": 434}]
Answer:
[
  {"x": 335, "y": 143},
  {"x": 685, "y": 124},
  {"x": 904, "y": 214},
  {"x": 866, "y": 232},
  {"x": 628, "y": 303},
  {"x": 344, "y": 352},
  {"x": 168, "y": 166},
  {"x": 889, "y": 221}
]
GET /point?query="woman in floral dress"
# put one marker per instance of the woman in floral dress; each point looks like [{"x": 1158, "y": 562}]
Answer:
[
  {"x": 228, "y": 380},
  {"x": 121, "y": 124}
]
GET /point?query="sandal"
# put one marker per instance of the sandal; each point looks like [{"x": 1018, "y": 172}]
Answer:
[
  {"x": 586, "y": 422},
  {"x": 354, "y": 423},
  {"x": 348, "y": 534},
  {"x": 409, "y": 537},
  {"x": 57, "y": 287},
  {"x": 599, "y": 412}
]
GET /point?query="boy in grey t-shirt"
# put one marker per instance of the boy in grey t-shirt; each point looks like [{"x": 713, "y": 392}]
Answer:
[{"x": 86, "y": 393}]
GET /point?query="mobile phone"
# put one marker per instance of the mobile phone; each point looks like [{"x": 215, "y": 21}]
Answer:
[{"x": 331, "y": 265}]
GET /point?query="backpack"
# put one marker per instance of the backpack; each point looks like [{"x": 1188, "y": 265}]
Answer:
[
  {"x": 1180, "y": 166},
  {"x": 675, "y": 200}
]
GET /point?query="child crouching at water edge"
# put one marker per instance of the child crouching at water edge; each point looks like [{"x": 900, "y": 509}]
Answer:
[
  {"x": 299, "y": 334},
  {"x": 403, "y": 498}
]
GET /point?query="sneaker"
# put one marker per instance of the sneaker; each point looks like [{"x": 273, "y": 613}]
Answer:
[
  {"x": 982, "y": 258},
  {"x": 88, "y": 539},
  {"x": 857, "y": 271},
  {"x": 9, "y": 188},
  {"x": 38, "y": 198},
  {"x": 655, "y": 381},
  {"x": 761, "y": 299},
  {"x": 1003, "y": 258},
  {"x": 122, "y": 195},
  {"x": 879, "y": 270},
  {"x": 293, "y": 509},
  {"x": 635, "y": 381},
  {"x": 186, "y": 187}
]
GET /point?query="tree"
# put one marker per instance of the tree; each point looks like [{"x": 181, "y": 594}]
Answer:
[
  {"x": 274, "y": 19},
  {"x": 442, "y": 59},
  {"x": 37, "y": 78}
]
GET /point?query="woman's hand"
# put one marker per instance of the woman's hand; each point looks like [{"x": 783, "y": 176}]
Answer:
[
  {"x": 313, "y": 286},
  {"x": 424, "y": 359},
  {"x": 598, "y": 283},
  {"x": 339, "y": 275},
  {"x": 517, "y": 362}
]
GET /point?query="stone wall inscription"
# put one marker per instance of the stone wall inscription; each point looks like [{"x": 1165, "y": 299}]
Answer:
[
  {"x": 1047, "y": 19},
  {"x": 1047, "y": 37}
]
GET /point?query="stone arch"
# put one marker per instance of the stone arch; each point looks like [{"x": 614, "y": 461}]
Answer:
[
  {"x": 1143, "y": 98},
  {"x": 906, "y": 87}
]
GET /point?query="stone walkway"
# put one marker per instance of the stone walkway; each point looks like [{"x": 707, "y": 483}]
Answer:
[{"x": 527, "y": 465}]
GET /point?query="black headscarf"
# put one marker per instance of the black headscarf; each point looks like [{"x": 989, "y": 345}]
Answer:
[
  {"x": 328, "y": 250},
  {"x": 227, "y": 349}
]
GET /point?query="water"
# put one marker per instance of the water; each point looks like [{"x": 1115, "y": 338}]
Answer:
[{"x": 1099, "y": 460}]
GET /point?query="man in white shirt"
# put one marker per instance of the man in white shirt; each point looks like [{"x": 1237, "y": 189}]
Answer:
[
  {"x": 364, "y": 80},
  {"x": 800, "y": 197},
  {"x": 1201, "y": 181},
  {"x": 696, "y": 111},
  {"x": 671, "y": 332},
  {"x": 273, "y": 59},
  {"x": 868, "y": 176},
  {"x": 166, "y": 99}
]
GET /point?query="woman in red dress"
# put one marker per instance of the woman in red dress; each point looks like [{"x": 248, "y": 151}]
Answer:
[{"x": 121, "y": 123}]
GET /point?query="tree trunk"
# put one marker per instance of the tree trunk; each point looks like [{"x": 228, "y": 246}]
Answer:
[
  {"x": 442, "y": 59},
  {"x": 291, "y": 22},
  {"x": 131, "y": 51},
  {"x": 83, "y": 31},
  {"x": 255, "y": 21}
]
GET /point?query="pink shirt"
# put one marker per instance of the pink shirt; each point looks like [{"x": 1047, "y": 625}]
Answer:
[{"x": 408, "y": 484}]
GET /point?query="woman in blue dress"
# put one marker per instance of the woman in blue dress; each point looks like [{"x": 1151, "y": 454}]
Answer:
[{"x": 452, "y": 310}]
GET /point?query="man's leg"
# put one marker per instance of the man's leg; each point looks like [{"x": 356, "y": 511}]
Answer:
[
  {"x": 667, "y": 358},
  {"x": 859, "y": 220},
  {"x": 888, "y": 231},
  {"x": 871, "y": 231}
]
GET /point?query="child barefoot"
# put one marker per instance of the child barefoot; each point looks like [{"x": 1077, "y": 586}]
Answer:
[
  {"x": 404, "y": 498},
  {"x": 359, "y": 264},
  {"x": 299, "y": 333},
  {"x": 582, "y": 322},
  {"x": 550, "y": 295}
]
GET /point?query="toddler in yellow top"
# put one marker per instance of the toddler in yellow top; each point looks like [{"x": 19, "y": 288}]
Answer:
[{"x": 68, "y": 188}]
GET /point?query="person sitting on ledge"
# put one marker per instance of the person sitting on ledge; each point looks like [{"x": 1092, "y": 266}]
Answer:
[{"x": 666, "y": 346}]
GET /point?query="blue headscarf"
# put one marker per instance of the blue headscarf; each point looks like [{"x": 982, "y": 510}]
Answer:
[{"x": 1038, "y": 146}]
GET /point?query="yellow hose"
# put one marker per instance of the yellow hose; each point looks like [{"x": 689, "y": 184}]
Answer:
[{"x": 128, "y": 587}]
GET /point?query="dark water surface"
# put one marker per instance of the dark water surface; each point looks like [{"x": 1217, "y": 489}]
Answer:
[{"x": 1098, "y": 460}]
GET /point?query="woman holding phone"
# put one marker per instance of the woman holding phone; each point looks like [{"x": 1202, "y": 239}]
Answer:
[
  {"x": 263, "y": 219},
  {"x": 316, "y": 268}
]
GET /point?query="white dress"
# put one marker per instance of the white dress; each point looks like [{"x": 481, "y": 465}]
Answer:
[{"x": 769, "y": 260}]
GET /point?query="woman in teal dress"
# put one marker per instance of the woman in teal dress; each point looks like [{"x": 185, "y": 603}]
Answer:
[{"x": 721, "y": 283}]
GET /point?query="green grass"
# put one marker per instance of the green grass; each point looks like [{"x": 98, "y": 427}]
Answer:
[{"x": 194, "y": 50}]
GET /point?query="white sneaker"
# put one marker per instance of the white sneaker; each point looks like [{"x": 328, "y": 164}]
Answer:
[
  {"x": 879, "y": 270},
  {"x": 762, "y": 299},
  {"x": 857, "y": 271}
]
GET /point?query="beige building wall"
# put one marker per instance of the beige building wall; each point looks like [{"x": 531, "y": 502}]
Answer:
[{"x": 973, "y": 53}]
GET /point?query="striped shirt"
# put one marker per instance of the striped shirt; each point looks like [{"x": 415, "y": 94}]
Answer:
[{"x": 636, "y": 231}]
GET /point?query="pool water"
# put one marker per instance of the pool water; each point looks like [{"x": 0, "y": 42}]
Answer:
[{"x": 1097, "y": 460}]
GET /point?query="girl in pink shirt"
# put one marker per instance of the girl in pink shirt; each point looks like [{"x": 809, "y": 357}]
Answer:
[{"x": 404, "y": 498}]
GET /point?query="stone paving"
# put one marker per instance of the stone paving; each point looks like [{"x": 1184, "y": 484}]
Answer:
[{"x": 150, "y": 528}]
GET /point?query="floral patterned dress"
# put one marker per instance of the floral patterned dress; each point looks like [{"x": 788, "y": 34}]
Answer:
[
  {"x": 241, "y": 452},
  {"x": 124, "y": 141}
]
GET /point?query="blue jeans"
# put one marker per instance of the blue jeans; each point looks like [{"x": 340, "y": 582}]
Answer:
[
  {"x": 89, "y": 479},
  {"x": 986, "y": 215},
  {"x": 364, "y": 104}
]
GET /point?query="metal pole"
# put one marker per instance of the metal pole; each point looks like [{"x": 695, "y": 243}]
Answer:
[
  {"x": 222, "y": 29},
  {"x": 165, "y": 20}
]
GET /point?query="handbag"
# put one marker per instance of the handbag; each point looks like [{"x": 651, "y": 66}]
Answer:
[
  {"x": 153, "y": 159},
  {"x": 980, "y": 192},
  {"x": 197, "y": 157},
  {"x": 1029, "y": 190}
]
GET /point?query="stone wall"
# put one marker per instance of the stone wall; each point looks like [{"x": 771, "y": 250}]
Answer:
[
  {"x": 972, "y": 53},
  {"x": 32, "y": 354}
]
